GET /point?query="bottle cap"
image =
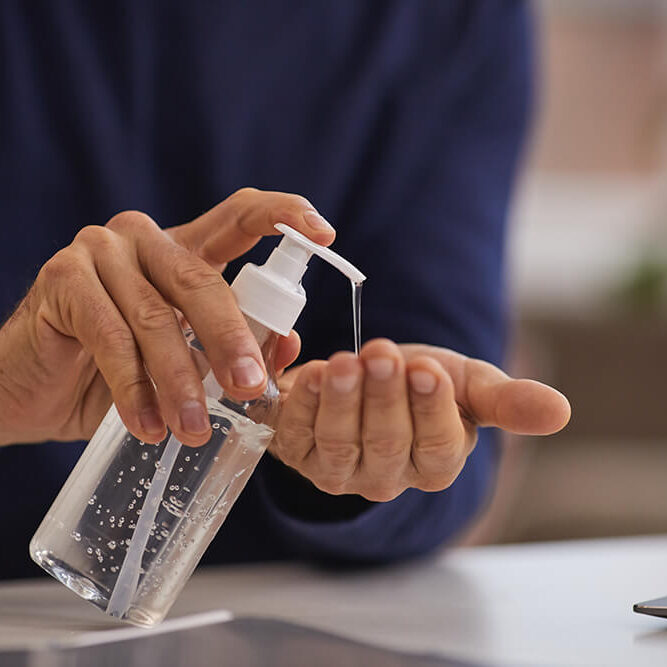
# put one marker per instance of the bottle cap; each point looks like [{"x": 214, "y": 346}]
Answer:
[{"x": 272, "y": 294}]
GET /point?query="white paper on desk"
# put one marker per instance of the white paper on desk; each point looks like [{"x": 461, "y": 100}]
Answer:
[{"x": 127, "y": 633}]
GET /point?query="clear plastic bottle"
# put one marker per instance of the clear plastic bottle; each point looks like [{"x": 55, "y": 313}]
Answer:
[
  {"x": 133, "y": 519},
  {"x": 85, "y": 539}
]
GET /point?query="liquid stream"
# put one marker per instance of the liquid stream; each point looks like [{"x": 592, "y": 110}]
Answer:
[{"x": 356, "y": 315}]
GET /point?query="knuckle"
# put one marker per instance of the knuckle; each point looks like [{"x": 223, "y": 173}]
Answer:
[
  {"x": 245, "y": 192},
  {"x": 182, "y": 372},
  {"x": 62, "y": 266},
  {"x": 67, "y": 264},
  {"x": 151, "y": 315},
  {"x": 438, "y": 473},
  {"x": 94, "y": 236},
  {"x": 239, "y": 199},
  {"x": 117, "y": 339},
  {"x": 126, "y": 220},
  {"x": 338, "y": 454},
  {"x": 383, "y": 398},
  {"x": 182, "y": 381},
  {"x": 382, "y": 492},
  {"x": 439, "y": 444},
  {"x": 232, "y": 334},
  {"x": 385, "y": 447},
  {"x": 436, "y": 483},
  {"x": 192, "y": 276},
  {"x": 58, "y": 286},
  {"x": 291, "y": 432},
  {"x": 426, "y": 407},
  {"x": 299, "y": 201},
  {"x": 334, "y": 486},
  {"x": 126, "y": 389}
]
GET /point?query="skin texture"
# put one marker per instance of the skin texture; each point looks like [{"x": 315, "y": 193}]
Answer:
[
  {"x": 100, "y": 322},
  {"x": 401, "y": 416},
  {"x": 103, "y": 322}
]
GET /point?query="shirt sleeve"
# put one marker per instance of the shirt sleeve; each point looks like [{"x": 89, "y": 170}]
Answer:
[{"x": 425, "y": 219}]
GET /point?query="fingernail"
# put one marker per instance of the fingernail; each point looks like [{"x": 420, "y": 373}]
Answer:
[
  {"x": 316, "y": 221},
  {"x": 343, "y": 384},
  {"x": 246, "y": 372},
  {"x": 423, "y": 382},
  {"x": 380, "y": 368},
  {"x": 194, "y": 419},
  {"x": 151, "y": 421}
]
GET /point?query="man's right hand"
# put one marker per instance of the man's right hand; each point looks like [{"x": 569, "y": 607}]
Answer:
[{"x": 100, "y": 324}]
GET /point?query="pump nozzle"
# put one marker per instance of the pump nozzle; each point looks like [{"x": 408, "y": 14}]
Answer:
[
  {"x": 300, "y": 249},
  {"x": 272, "y": 294}
]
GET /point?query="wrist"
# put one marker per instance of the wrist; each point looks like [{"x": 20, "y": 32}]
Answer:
[
  {"x": 15, "y": 398},
  {"x": 8, "y": 404},
  {"x": 298, "y": 497}
]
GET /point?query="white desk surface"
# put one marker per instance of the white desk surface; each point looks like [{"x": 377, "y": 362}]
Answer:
[{"x": 567, "y": 603}]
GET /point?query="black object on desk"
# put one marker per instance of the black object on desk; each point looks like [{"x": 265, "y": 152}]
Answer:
[{"x": 657, "y": 607}]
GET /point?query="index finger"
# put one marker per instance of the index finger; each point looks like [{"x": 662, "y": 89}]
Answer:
[
  {"x": 239, "y": 222},
  {"x": 206, "y": 301}
]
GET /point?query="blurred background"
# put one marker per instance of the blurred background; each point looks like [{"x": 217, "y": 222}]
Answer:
[{"x": 588, "y": 258}]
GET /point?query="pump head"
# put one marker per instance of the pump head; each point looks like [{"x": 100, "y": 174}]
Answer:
[{"x": 272, "y": 294}]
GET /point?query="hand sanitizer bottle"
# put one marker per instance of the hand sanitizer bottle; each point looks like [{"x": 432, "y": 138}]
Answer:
[{"x": 133, "y": 519}]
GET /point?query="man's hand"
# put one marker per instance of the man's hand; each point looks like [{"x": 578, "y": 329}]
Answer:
[
  {"x": 101, "y": 323},
  {"x": 401, "y": 416}
]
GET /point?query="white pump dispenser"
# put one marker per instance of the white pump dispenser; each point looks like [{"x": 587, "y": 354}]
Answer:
[{"x": 272, "y": 294}]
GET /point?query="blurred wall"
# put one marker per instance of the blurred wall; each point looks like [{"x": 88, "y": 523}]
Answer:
[
  {"x": 604, "y": 100},
  {"x": 588, "y": 257}
]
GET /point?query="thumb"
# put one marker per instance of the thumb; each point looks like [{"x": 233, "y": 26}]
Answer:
[
  {"x": 489, "y": 397},
  {"x": 525, "y": 407},
  {"x": 235, "y": 225}
]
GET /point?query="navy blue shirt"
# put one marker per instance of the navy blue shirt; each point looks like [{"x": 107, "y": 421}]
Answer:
[{"x": 401, "y": 120}]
